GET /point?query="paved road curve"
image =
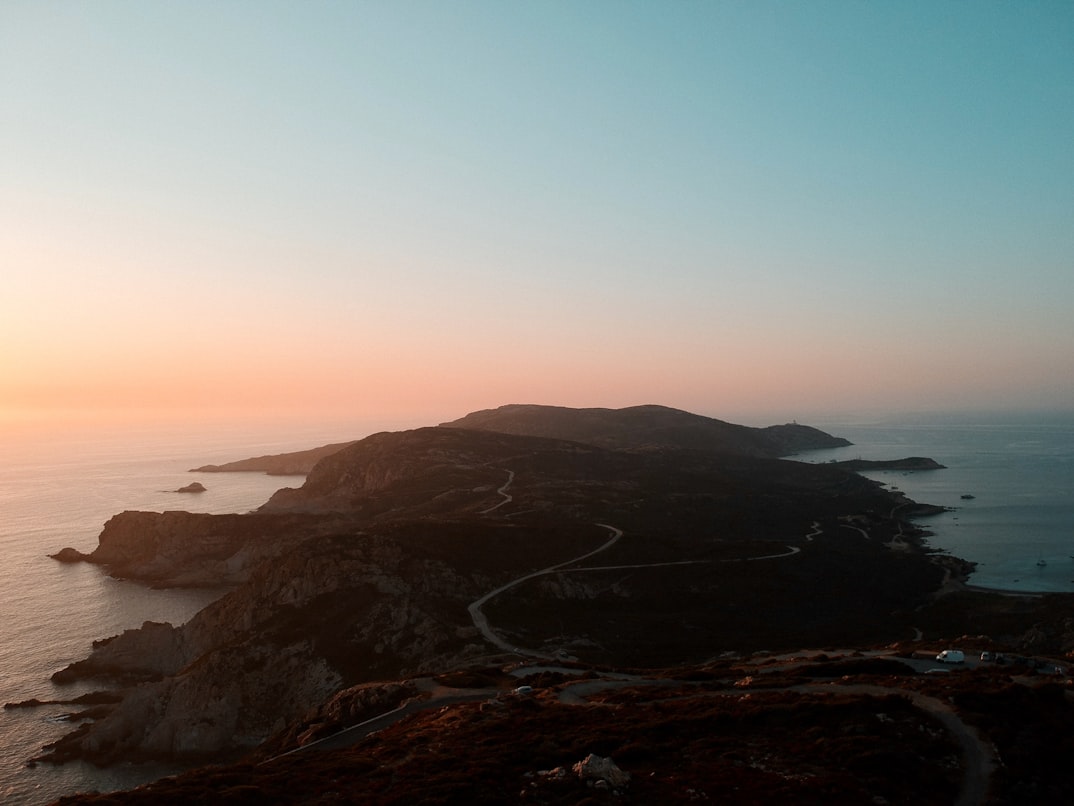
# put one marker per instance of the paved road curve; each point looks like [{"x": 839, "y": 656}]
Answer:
[
  {"x": 507, "y": 499},
  {"x": 481, "y": 620}
]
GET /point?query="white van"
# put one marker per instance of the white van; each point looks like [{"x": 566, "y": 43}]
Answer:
[{"x": 951, "y": 656}]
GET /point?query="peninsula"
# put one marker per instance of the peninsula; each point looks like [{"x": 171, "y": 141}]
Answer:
[{"x": 467, "y": 565}]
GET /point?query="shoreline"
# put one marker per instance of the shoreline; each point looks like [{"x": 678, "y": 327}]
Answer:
[
  {"x": 1010, "y": 591},
  {"x": 958, "y": 571},
  {"x": 955, "y": 583}
]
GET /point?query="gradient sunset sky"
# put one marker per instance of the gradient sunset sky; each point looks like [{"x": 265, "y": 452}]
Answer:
[{"x": 750, "y": 210}]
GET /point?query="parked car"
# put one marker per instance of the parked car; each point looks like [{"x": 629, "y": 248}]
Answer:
[{"x": 951, "y": 656}]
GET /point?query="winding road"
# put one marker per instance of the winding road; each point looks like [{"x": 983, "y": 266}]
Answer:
[
  {"x": 481, "y": 620},
  {"x": 507, "y": 499},
  {"x": 978, "y": 758}
]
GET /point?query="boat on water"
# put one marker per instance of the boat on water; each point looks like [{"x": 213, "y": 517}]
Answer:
[
  {"x": 968, "y": 497},
  {"x": 1041, "y": 561}
]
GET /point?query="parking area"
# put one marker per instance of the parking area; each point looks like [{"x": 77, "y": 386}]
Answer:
[{"x": 929, "y": 661}]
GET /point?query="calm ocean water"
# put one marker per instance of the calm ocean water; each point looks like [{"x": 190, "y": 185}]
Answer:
[{"x": 58, "y": 487}]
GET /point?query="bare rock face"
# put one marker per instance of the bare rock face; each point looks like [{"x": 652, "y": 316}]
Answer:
[
  {"x": 336, "y": 612},
  {"x": 152, "y": 650},
  {"x": 229, "y": 701},
  {"x": 344, "y": 709}
]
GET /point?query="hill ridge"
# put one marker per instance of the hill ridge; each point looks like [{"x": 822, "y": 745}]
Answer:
[{"x": 647, "y": 426}]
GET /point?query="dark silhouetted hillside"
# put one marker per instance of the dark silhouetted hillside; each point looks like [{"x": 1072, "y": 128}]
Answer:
[{"x": 648, "y": 427}]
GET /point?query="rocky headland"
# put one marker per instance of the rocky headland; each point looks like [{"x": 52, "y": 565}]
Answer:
[
  {"x": 185, "y": 549},
  {"x": 295, "y": 463},
  {"x": 412, "y": 555},
  {"x": 909, "y": 463}
]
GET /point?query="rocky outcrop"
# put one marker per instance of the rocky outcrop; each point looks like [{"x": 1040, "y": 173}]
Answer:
[
  {"x": 69, "y": 555},
  {"x": 600, "y": 769},
  {"x": 596, "y": 772},
  {"x": 231, "y": 700},
  {"x": 193, "y": 487},
  {"x": 184, "y": 549},
  {"x": 297, "y": 463},
  {"x": 148, "y": 652}
]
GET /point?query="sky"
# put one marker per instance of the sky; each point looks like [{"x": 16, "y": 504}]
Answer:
[{"x": 755, "y": 211}]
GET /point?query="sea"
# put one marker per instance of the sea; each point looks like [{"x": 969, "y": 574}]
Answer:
[{"x": 59, "y": 484}]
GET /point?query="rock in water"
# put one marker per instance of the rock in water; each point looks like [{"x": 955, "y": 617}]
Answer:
[
  {"x": 68, "y": 555},
  {"x": 193, "y": 487}
]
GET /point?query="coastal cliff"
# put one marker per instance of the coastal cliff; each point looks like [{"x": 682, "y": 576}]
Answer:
[
  {"x": 185, "y": 549},
  {"x": 331, "y": 613}
]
